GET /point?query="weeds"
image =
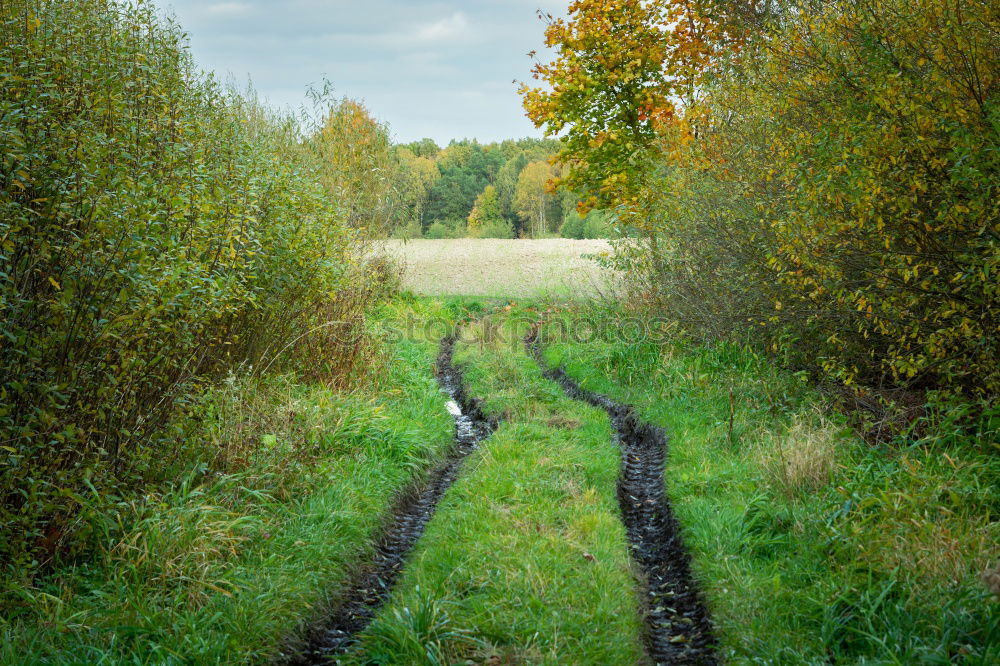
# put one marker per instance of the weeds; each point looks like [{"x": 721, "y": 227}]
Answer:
[
  {"x": 805, "y": 457},
  {"x": 421, "y": 633}
]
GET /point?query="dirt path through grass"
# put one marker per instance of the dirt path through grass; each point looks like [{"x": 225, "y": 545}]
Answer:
[
  {"x": 678, "y": 630},
  {"x": 371, "y": 585}
]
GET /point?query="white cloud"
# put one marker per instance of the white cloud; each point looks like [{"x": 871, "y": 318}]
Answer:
[
  {"x": 437, "y": 68},
  {"x": 454, "y": 27},
  {"x": 227, "y": 9}
]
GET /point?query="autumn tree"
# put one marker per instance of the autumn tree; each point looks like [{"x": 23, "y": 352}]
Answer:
[
  {"x": 417, "y": 176},
  {"x": 533, "y": 199},
  {"x": 506, "y": 184},
  {"x": 486, "y": 219},
  {"x": 621, "y": 69},
  {"x": 824, "y": 172},
  {"x": 362, "y": 166}
]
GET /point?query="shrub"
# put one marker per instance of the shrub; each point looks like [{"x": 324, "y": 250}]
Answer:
[
  {"x": 874, "y": 173},
  {"x": 596, "y": 225},
  {"x": 497, "y": 229},
  {"x": 573, "y": 227},
  {"x": 826, "y": 173},
  {"x": 408, "y": 230},
  {"x": 438, "y": 230},
  {"x": 157, "y": 231}
]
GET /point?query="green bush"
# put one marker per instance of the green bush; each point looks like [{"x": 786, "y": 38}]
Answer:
[
  {"x": 408, "y": 230},
  {"x": 572, "y": 227},
  {"x": 438, "y": 230},
  {"x": 447, "y": 228},
  {"x": 597, "y": 225},
  {"x": 156, "y": 231},
  {"x": 497, "y": 229}
]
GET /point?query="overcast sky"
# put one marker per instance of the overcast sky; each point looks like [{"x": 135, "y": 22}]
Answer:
[{"x": 441, "y": 69}]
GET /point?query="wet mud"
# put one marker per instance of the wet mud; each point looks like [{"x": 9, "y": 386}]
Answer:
[
  {"x": 677, "y": 626},
  {"x": 336, "y": 632}
]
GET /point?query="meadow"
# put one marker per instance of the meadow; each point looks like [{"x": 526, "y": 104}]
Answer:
[{"x": 502, "y": 268}]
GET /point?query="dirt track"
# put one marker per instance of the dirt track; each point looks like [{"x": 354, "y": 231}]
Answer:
[
  {"x": 678, "y": 630},
  {"x": 371, "y": 584}
]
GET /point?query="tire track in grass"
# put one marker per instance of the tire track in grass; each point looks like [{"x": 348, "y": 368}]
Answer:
[
  {"x": 370, "y": 586},
  {"x": 678, "y": 629}
]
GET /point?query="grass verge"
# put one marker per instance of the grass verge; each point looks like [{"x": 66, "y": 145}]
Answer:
[
  {"x": 525, "y": 560},
  {"x": 811, "y": 546},
  {"x": 223, "y": 568}
]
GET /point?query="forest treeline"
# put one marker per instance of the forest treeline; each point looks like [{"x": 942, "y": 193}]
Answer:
[
  {"x": 818, "y": 177},
  {"x": 465, "y": 189},
  {"x": 496, "y": 190}
]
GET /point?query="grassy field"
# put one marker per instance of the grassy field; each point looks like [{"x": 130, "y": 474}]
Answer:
[
  {"x": 811, "y": 546},
  {"x": 494, "y": 268}
]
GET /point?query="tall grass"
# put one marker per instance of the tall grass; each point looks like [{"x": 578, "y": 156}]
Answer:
[{"x": 232, "y": 560}]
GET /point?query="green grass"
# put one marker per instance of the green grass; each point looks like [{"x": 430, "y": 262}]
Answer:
[
  {"x": 809, "y": 544},
  {"x": 223, "y": 569},
  {"x": 525, "y": 560}
]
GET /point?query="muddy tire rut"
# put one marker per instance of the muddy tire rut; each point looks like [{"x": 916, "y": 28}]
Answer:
[
  {"x": 370, "y": 585},
  {"x": 677, "y": 625}
]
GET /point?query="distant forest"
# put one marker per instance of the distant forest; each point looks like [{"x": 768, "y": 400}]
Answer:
[{"x": 495, "y": 190}]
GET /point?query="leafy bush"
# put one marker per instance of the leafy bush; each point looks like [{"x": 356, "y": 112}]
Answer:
[
  {"x": 883, "y": 223},
  {"x": 572, "y": 227},
  {"x": 597, "y": 225},
  {"x": 157, "y": 231},
  {"x": 409, "y": 230},
  {"x": 594, "y": 225},
  {"x": 448, "y": 228},
  {"x": 826, "y": 173},
  {"x": 497, "y": 229},
  {"x": 438, "y": 230}
]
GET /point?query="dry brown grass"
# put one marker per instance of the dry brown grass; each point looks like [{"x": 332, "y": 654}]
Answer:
[
  {"x": 503, "y": 268},
  {"x": 804, "y": 459},
  {"x": 992, "y": 579}
]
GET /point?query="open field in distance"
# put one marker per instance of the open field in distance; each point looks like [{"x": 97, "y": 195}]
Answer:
[{"x": 493, "y": 267}]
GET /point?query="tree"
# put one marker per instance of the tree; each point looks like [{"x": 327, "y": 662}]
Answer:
[
  {"x": 362, "y": 163},
  {"x": 466, "y": 168},
  {"x": 417, "y": 176},
  {"x": 506, "y": 185},
  {"x": 423, "y": 148},
  {"x": 621, "y": 65},
  {"x": 486, "y": 212},
  {"x": 533, "y": 200}
]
